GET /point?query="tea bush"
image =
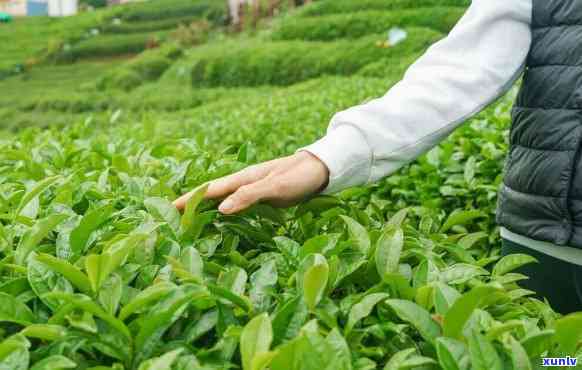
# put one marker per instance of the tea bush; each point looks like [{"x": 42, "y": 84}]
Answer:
[
  {"x": 355, "y": 25},
  {"x": 212, "y": 10},
  {"x": 287, "y": 62},
  {"x": 111, "y": 45},
  {"x": 118, "y": 278},
  {"x": 326, "y": 7},
  {"x": 147, "y": 67},
  {"x": 146, "y": 26}
]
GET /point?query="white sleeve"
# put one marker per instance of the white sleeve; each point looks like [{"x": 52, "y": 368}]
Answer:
[{"x": 456, "y": 78}]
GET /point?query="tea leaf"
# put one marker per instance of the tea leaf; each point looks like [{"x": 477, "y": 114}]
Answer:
[
  {"x": 358, "y": 234},
  {"x": 255, "y": 341},
  {"x": 388, "y": 249},
  {"x": 55, "y": 362},
  {"x": 452, "y": 354},
  {"x": 458, "y": 314},
  {"x": 188, "y": 220},
  {"x": 35, "y": 235},
  {"x": 568, "y": 333},
  {"x": 363, "y": 308},
  {"x": 163, "y": 210},
  {"x": 460, "y": 217},
  {"x": 12, "y": 310},
  {"x": 40, "y": 187},
  {"x": 511, "y": 262},
  {"x": 89, "y": 223},
  {"x": 73, "y": 274},
  {"x": 417, "y": 317},
  {"x": 146, "y": 298},
  {"x": 315, "y": 280},
  {"x": 483, "y": 354}
]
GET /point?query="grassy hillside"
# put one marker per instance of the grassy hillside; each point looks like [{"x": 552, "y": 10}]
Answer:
[
  {"x": 99, "y": 271},
  {"x": 104, "y": 32}
]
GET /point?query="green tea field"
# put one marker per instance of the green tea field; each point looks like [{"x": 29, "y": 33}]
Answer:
[{"x": 108, "y": 116}]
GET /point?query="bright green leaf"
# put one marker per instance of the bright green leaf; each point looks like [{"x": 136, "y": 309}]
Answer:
[
  {"x": 388, "y": 249},
  {"x": 255, "y": 340}
]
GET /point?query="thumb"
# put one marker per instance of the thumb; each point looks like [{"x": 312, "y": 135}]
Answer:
[{"x": 246, "y": 196}]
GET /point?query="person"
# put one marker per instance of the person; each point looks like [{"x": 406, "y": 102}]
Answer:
[{"x": 539, "y": 205}]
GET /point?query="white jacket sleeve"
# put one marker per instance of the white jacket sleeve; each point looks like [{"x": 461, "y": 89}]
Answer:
[{"x": 456, "y": 78}]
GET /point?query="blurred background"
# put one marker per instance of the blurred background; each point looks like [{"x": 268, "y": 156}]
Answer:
[{"x": 66, "y": 60}]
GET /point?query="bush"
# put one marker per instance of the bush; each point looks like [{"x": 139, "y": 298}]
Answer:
[
  {"x": 112, "y": 45},
  {"x": 122, "y": 78},
  {"x": 147, "y": 67},
  {"x": 77, "y": 103},
  {"x": 325, "y": 7},
  {"x": 287, "y": 62},
  {"x": 213, "y": 10},
  {"x": 394, "y": 68},
  {"x": 170, "y": 51},
  {"x": 358, "y": 24},
  {"x": 151, "y": 67},
  {"x": 135, "y": 74},
  {"x": 195, "y": 33},
  {"x": 147, "y": 26}
]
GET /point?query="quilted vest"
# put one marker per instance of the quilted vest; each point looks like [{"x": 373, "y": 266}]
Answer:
[{"x": 541, "y": 195}]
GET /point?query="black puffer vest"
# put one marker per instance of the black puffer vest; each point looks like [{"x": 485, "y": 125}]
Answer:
[{"x": 542, "y": 192}]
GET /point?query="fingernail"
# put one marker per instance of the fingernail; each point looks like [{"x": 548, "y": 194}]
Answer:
[{"x": 226, "y": 206}]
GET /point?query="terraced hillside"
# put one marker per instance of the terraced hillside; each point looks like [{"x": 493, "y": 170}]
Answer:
[{"x": 102, "y": 33}]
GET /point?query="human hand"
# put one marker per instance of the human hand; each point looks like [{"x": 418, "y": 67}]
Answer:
[{"x": 281, "y": 182}]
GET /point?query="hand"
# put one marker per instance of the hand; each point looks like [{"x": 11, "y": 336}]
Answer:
[{"x": 281, "y": 182}]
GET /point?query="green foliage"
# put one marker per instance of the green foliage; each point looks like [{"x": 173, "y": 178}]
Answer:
[
  {"x": 325, "y": 7},
  {"x": 213, "y": 10},
  {"x": 124, "y": 79},
  {"x": 147, "y": 25},
  {"x": 110, "y": 45},
  {"x": 355, "y": 25},
  {"x": 135, "y": 278},
  {"x": 40, "y": 36},
  {"x": 135, "y": 73},
  {"x": 146, "y": 67},
  {"x": 42, "y": 39},
  {"x": 287, "y": 62},
  {"x": 99, "y": 271}
]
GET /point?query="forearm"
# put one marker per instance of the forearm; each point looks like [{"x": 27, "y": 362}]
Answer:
[{"x": 457, "y": 77}]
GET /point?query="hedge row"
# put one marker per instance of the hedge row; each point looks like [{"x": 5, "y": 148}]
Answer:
[
  {"x": 110, "y": 45},
  {"x": 149, "y": 97},
  {"x": 326, "y": 7},
  {"x": 99, "y": 102},
  {"x": 146, "y": 26},
  {"x": 212, "y": 10},
  {"x": 390, "y": 69},
  {"x": 358, "y": 24},
  {"x": 288, "y": 62},
  {"x": 147, "y": 67}
]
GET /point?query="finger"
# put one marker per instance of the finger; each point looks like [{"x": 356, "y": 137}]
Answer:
[
  {"x": 180, "y": 203},
  {"x": 225, "y": 186},
  {"x": 246, "y": 196}
]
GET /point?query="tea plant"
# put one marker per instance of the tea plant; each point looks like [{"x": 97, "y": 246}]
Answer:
[{"x": 99, "y": 271}]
